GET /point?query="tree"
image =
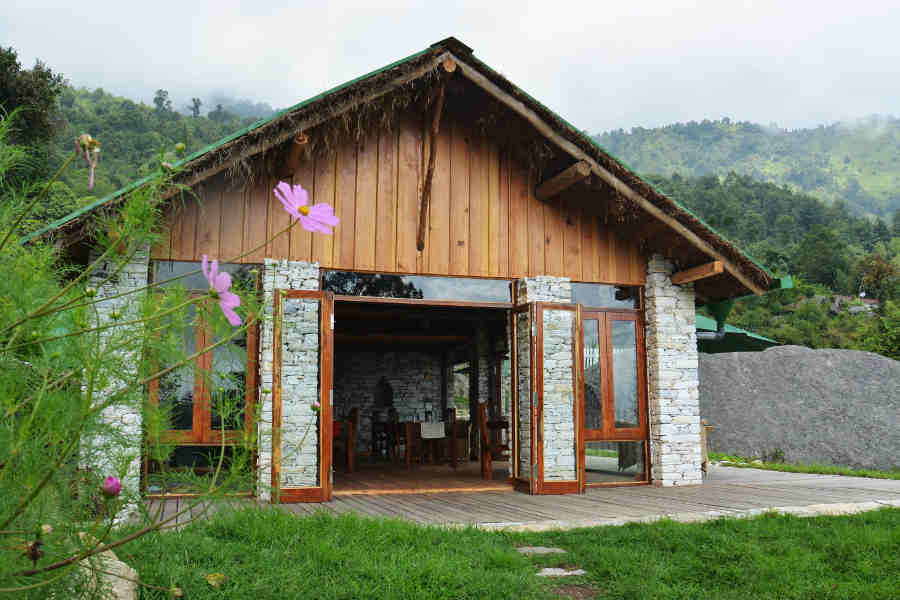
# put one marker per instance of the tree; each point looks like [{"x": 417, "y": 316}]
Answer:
[
  {"x": 35, "y": 91},
  {"x": 162, "y": 102},
  {"x": 821, "y": 257},
  {"x": 195, "y": 107}
]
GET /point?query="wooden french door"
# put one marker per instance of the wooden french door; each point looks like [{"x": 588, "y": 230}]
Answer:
[
  {"x": 613, "y": 400},
  {"x": 303, "y": 328},
  {"x": 545, "y": 408}
]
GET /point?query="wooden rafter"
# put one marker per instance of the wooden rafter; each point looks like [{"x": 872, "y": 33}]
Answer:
[
  {"x": 699, "y": 272},
  {"x": 562, "y": 181},
  {"x": 617, "y": 184}
]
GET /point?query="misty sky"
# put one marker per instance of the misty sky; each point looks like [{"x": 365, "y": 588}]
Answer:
[{"x": 600, "y": 64}]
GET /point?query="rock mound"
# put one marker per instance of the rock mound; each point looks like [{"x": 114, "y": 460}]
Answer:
[{"x": 816, "y": 406}]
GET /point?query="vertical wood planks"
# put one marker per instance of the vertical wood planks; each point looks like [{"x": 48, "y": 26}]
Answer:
[
  {"x": 184, "y": 232},
  {"x": 209, "y": 219},
  {"x": 459, "y": 201},
  {"x": 438, "y": 241},
  {"x": 386, "y": 211},
  {"x": 162, "y": 250},
  {"x": 501, "y": 260},
  {"x": 536, "y": 241},
  {"x": 301, "y": 239},
  {"x": 323, "y": 245},
  {"x": 231, "y": 240},
  {"x": 589, "y": 260},
  {"x": 554, "y": 216},
  {"x": 256, "y": 224},
  {"x": 366, "y": 203},
  {"x": 408, "y": 170},
  {"x": 279, "y": 219},
  {"x": 518, "y": 220},
  {"x": 345, "y": 205},
  {"x": 572, "y": 218},
  {"x": 479, "y": 213}
]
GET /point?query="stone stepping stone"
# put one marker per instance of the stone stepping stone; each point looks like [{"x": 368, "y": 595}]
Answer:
[
  {"x": 554, "y": 572},
  {"x": 540, "y": 550}
]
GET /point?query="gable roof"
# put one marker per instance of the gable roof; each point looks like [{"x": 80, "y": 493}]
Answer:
[
  {"x": 282, "y": 126},
  {"x": 735, "y": 340}
]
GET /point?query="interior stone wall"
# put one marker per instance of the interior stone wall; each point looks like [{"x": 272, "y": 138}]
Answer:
[
  {"x": 414, "y": 377},
  {"x": 672, "y": 361},
  {"x": 300, "y": 377}
]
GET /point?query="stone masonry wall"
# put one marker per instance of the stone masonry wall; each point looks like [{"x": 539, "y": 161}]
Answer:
[
  {"x": 672, "y": 359},
  {"x": 559, "y": 396},
  {"x": 523, "y": 424},
  {"x": 558, "y": 392},
  {"x": 299, "y": 377},
  {"x": 126, "y": 416}
]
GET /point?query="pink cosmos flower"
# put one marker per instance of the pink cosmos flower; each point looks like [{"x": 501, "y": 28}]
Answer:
[
  {"x": 219, "y": 284},
  {"x": 112, "y": 487},
  {"x": 319, "y": 217}
]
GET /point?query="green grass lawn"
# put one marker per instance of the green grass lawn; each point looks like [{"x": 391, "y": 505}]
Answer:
[
  {"x": 747, "y": 463},
  {"x": 267, "y": 554}
]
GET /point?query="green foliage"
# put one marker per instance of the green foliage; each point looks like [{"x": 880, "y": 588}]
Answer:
[
  {"x": 132, "y": 135},
  {"x": 33, "y": 90},
  {"x": 857, "y": 163},
  {"x": 771, "y": 464},
  {"x": 72, "y": 368},
  {"x": 266, "y": 553},
  {"x": 770, "y": 556}
]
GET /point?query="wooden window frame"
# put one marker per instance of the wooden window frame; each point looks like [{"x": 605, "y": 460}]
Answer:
[{"x": 202, "y": 432}]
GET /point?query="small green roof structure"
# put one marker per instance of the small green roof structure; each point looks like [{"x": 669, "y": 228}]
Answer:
[{"x": 735, "y": 339}]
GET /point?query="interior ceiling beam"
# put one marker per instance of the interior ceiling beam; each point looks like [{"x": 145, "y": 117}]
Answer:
[
  {"x": 563, "y": 181},
  {"x": 699, "y": 272},
  {"x": 402, "y": 339},
  {"x": 617, "y": 184}
]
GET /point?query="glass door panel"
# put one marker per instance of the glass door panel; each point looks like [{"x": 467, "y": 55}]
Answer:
[
  {"x": 625, "y": 374},
  {"x": 593, "y": 376},
  {"x": 614, "y": 405}
]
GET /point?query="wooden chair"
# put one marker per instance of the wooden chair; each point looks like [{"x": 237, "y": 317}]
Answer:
[
  {"x": 346, "y": 437},
  {"x": 489, "y": 450}
]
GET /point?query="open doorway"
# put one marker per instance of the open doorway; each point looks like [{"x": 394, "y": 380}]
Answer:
[{"x": 409, "y": 382}]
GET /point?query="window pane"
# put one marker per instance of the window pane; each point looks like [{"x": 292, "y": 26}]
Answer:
[
  {"x": 605, "y": 296},
  {"x": 606, "y": 462},
  {"x": 625, "y": 377},
  {"x": 228, "y": 383},
  {"x": 593, "y": 390},
  {"x": 418, "y": 287},
  {"x": 176, "y": 389}
]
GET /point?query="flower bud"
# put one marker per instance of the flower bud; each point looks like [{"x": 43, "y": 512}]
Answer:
[
  {"x": 180, "y": 147},
  {"x": 112, "y": 487},
  {"x": 90, "y": 292}
]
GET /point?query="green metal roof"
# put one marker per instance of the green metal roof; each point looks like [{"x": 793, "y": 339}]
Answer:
[{"x": 735, "y": 340}]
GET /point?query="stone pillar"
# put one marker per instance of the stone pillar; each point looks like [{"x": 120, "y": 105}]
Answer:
[
  {"x": 558, "y": 393},
  {"x": 672, "y": 360},
  {"x": 299, "y": 377},
  {"x": 124, "y": 449}
]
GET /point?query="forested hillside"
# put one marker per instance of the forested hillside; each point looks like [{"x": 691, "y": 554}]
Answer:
[
  {"x": 857, "y": 162},
  {"x": 132, "y": 134}
]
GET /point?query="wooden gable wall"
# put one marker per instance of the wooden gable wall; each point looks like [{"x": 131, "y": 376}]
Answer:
[{"x": 484, "y": 220}]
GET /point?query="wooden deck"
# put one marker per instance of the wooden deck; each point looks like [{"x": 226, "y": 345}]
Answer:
[
  {"x": 388, "y": 478},
  {"x": 727, "y": 491}
]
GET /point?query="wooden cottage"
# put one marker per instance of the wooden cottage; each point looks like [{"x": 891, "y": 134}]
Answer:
[{"x": 503, "y": 305}]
